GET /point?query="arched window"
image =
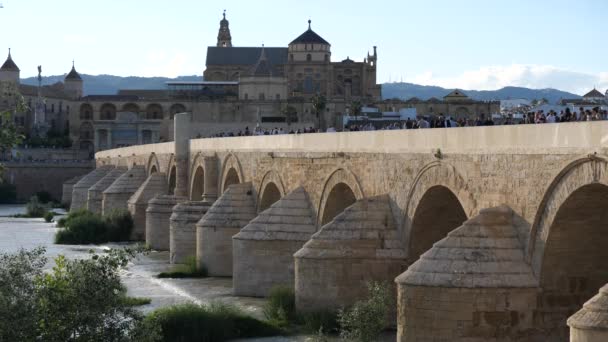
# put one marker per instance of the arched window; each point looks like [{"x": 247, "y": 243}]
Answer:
[
  {"x": 154, "y": 112},
  {"x": 291, "y": 57},
  {"x": 86, "y": 112},
  {"x": 262, "y": 96},
  {"x": 278, "y": 97},
  {"x": 327, "y": 58},
  {"x": 246, "y": 96},
  {"x": 107, "y": 112},
  {"x": 176, "y": 108},
  {"x": 308, "y": 58}
]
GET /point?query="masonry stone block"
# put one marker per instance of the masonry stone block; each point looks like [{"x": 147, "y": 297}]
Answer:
[
  {"x": 590, "y": 324},
  {"x": 80, "y": 190},
  {"x": 117, "y": 195},
  {"x": 182, "y": 237},
  {"x": 95, "y": 193},
  {"x": 68, "y": 188},
  {"x": 156, "y": 184},
  {"x": 226, "y": 217},
  {"x": 158, "y": 214}
]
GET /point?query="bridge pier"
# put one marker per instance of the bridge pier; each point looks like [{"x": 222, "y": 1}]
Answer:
[
  {"x": 68, "y": 187},
  {"x": 80, "y": 190},
  {"x": 211, "y": 181},
  {"x": 156, "y": 184},
  {"x": 95, "y": 192},
  {"x": 359, "y": 245},
  {"x": 263, "y": 250},
  {"x": 473, "y": 285},
  {"x": 182, "y": 229},
  {"x": 116, "y": 196},
  {"x": 590, "y": 324},
  {"x": 231, "y": 212}
]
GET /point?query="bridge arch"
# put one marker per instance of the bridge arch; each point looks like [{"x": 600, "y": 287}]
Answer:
[
  {"x": 437, "y": 203},
  {"x": 340, "y": 191},
  {"x": 568, "y": 241},
  {"x": 232, "y": 173},
  {"x": 271, "y": 190},
  {"x": 197, "y": 178},
  {"x": 153, "y": 165},
  {"x": 172, "y": 175}
]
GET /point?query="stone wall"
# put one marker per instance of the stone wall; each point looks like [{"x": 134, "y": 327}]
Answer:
[{"x": 30, "y": 178}]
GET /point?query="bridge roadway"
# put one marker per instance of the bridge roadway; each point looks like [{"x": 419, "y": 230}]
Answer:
[{"x": 489, "y": 233}]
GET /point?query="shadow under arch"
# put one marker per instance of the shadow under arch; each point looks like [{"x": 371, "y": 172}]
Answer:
[
  {"x": 436, "y": 187},
  {"x": 340, "y": 191},
  {"x": 153, "y": 165},
  {"x": 172, "y": 174},
  {"x": 232, "y": 173},
  {"x": 271, "y": 190}
]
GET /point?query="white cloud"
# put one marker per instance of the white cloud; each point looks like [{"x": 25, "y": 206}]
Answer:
[{"x": 521, "y": 75}]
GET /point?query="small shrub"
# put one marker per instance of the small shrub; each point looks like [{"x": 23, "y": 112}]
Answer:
[
  {"x": 34, "y": 208},
  {"x": 281, "y": 306},
  {"x": 119, "y": 225},
  {"x": 44, "y": 197},
  {"x": 366, "y": 319},
  {"x": 215, "y": 322},
  {"x": 48, "y": 216},
  {"x": 325, "y": 321},
  {"x": 136, "y": 301},
  {"x": 188, "y": 269},
  {"x": 83, "y": 229},
  {"x": 61, "y": 222}
]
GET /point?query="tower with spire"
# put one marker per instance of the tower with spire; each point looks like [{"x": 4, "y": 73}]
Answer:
[
  {"x": 224, "y": 39},
  {"x": 73, "y": 83},
  {"x": 9, "y": 72}
]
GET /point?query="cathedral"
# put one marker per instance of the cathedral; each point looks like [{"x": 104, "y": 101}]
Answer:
[{"x": 300, "y": 70}]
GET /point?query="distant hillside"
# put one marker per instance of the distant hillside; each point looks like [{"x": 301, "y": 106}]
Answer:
[
  {"x": 408, "y": 90},
  {"x": 108, "y": 85}
]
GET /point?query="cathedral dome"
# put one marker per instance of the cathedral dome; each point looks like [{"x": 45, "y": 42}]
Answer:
[
  {"x": 309, "y": 37},
  {"x": 73, "y": 75},
  {"x": 9, "y": 65}
]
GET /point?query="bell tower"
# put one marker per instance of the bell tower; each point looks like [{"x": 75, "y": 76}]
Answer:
[{"x": 224, "y": 39}]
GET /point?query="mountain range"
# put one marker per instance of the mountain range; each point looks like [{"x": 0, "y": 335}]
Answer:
[{"x": 109, "y": 85}]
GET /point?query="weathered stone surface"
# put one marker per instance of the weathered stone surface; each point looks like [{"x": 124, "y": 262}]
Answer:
[
  {"x": 182, "y": 239},
  {"x": 333, "y": 267},
  {"x": 263, "y": 250},
  {"x": 68, "y": 187},
  {"x": 158, "y": 213},
  {"x": 590, "y": 324},
  {"x": 80, "y": 190},
  {"x": 156, "y": 184},
  {"x": 231, "y": 212},
  {"x": 473, "y": 285},
  {"x": 117, "y": 195},
  {"x": 95, "y": 193}
]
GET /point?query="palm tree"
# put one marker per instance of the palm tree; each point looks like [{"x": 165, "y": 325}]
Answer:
[{"x": 318, "y": 104}]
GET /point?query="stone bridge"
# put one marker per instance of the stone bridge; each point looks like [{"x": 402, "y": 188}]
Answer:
[{"x": 489, "y": 233}]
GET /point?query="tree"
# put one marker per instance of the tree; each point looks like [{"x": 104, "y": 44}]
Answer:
[
  {"x": 356, "y": 108},
  {"x": 291, "y": 114},
  {"x": 319, "y": 103},
  {"x": 9, "y": 136}
]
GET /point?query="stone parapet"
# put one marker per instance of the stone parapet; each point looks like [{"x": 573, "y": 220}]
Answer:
[
  {"x": 68, "y": 187},
  {"x": 80, "y": 190},
  {"x": 156, "y": 184},
  {"x": 357, "y": 246},
  {"x": 182, "y": 227},
  {"x": 231, "y": 212},
  {"x": 95, "y": 193},
  {"x": 590, "y": 324},
  {"x": 263, "y": 250},
  {"x": 473, "y": 285},
  {"x": 117, "y": 195},
  {"x": 158, "y": 213}
]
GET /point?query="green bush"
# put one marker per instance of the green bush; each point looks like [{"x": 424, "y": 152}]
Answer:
[
  {"x": 366, "y": 319},
  {"x": 8, "y": 193},
  {"x": 82, "y": 229},
  {"x": 136, "y": 301},
  {"x": 188, "y": 269},
  {"x": 85, "y": 227},
  {"x": 211, "y": 323},
  {"x": 119, "y": 225},
  {"x": 280, "y": 308},
  {"x": 324, "y": 321},
  {"x": 48, "y": 216},
  {"x": 34, "y": 208},
  {"x": 61, "y": 222}
]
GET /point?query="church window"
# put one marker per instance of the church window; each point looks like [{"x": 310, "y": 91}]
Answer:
[
  {"x": 291, "y": 57},
  {"x": 308, "y": 85},
  {"x": 308, "y": 57},
  {"x": 300, "y": 75},
  {"x": 327, "y": 58},
  {"x": 278, "y": 97},
  {"x": 246, "y": 96},
  {"x": 305, "y": 46},
  {"x": 262, "y": 97}
]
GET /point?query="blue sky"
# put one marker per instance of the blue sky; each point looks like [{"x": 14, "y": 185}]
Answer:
[{"x": 470, "y": 44}]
